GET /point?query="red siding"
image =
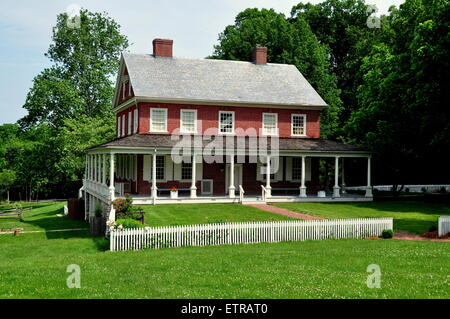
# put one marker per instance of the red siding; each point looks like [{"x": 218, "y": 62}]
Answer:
[{"x": 245, "y": 118}]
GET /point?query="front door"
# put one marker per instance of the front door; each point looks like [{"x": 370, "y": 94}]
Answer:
[{"x": 237, "y": 177}]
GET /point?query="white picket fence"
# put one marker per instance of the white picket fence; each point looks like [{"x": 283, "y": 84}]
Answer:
[
  {"x": 246, "y": 233},
  {"x": 444, "y": 225}
]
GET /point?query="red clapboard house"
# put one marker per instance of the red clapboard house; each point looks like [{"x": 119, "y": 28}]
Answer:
[{"x": 205, "y": 130}]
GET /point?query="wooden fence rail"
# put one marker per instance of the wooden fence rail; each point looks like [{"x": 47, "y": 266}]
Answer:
[
  {"x": 444, "y": 225},
  {"x": 246, "y": 233}
]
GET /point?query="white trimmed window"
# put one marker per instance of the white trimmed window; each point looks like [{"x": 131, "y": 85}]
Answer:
[
  {"x": 298, "y": 125},
  {"x": 158, "y": 120},
  {"x": 188, "y": 121},
  {"x": 135, "y": 121},
  {"x": 186, "y": 170},
  {"x": 270, "y": 124},
  {"x": 118, "y": 127},
  {"x": 129, "y": 122},
  {"x": 296, "y": 168},
  {"x": 160, "y": 167},
  {"x": 226, "y": 122},
  {"x": 123, "y": 125}
]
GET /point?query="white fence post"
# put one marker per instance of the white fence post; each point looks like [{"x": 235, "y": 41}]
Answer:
[{"x": 444, "y": 225}]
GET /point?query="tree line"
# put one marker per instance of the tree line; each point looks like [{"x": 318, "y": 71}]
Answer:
[{"x": 385, "y": 81}]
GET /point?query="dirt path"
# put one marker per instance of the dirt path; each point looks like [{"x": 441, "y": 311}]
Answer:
[
  {"x": 285, "y": 212},
  {"x": 407, "y": 236}
]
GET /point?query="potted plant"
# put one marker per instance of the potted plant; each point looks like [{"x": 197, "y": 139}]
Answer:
[{"x": 173, "y": 192}]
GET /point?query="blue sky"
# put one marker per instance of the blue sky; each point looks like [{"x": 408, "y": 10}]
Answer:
[{"x": 194, "y": 25}]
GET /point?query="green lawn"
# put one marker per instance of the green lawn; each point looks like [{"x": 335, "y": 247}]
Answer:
[
  {"x": 172, "y": 215},
  {"x": 33, "y": 265},
  {"x": 42, "y": 217},
  {"x": 409, "y": 216}
]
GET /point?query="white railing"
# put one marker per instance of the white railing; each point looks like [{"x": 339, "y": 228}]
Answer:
[
  {"x": 411, "y": 188},
  {"x": 241, "y": 194},
  {"x": 99, "y": 189},
  {"x": 246, "y": 233},
  {"x": 444, "y": 225},
  {"x": 120, "y": 188},
  {"x": 263, "y": 193}
]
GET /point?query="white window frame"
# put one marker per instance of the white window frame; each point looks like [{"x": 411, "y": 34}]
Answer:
[
  {"x": 151, "y": 120},
  {"x": 276, "y": 124},
  {"x": 181, "y": 120},
  {"x": 130, "y": 113},
  {"x": 119, "y": 128},
  {"x": 304, "y": 125},
  {"x": 135, "y": 121},
  {"x": 233, "y": 123},
  {"x": 123, "y": 125}
]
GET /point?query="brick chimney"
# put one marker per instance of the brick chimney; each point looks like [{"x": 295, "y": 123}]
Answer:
[
  {"x": 260, "y": 55},
  {"x": 162, "y": 48}
]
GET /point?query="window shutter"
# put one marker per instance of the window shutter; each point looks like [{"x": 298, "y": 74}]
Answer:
[
  {"x": 289, "y": 168},
  {"x": 168, "y": 168},
  {"x": 259, "y": 176},
  {"x": 147, "y": 168},
  {"x": 278, "y": 176},
  {"x": 199, "y": 168},
  {"x": 308, "y": 169},
  {"x": 177, "y": 172}
]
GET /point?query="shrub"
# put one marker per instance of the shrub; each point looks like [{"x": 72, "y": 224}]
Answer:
[
  {"x": 129, "y": 223},
  {"x": 432, "y": 228},
  {"x": 98, "y": 212},
  {"x": 387, "y": 233},
  {"x": 123, "y": 206},
  {"x": 443, "y": 190}
]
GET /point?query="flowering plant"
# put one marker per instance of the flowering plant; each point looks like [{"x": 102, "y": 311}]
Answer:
[{"x": 174, "y": 189}]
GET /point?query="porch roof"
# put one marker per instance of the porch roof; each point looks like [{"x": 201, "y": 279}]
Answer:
[{"x": 166, "y": 141}]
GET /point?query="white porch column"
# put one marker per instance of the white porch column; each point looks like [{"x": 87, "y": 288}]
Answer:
[
  {"x": 343, "y": 177},
  {"x": 303, "y": 186},
  {"x": 95, "y": 168},
  {"x": 193, "y": 187},
  {"x": 90, "y": 168},
  {"x": 154, "y": 188},
  {"x": 268, "y": 187},
  {"x": 369, "y": 186},
  {"x": 112, "y": 191},
  {"x": 104, "y": 170},
  {"x": 232, "y": 189},
  {"x": 336, "y": 187}
]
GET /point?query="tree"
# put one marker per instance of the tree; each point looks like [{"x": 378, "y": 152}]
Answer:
[
  {"x": 7, "y": 178},
  {"x": 341, "y": 25},
  {"x": 85, "y": 59},
  {"x": 403, "y": 113},
  {"x": 287, "y": 42}
]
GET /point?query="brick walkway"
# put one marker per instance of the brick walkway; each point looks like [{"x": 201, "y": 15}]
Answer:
[{"x": 285, "y": 212}]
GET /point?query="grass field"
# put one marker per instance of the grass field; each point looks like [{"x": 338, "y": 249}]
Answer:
[
  {"x": 172, "y": 215},
  {"x": 409, "y": 216},
  {"x": 33, "y": 265}
]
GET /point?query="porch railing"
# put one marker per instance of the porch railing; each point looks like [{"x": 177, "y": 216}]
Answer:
[
  {"x": 241, "y": 194},
  {"x": 99, "y": 189},
  {"x": 263, "y": 193}
]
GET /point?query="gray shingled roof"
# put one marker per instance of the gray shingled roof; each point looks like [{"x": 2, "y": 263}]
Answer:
[
  {"x": 223, "y": 81},
  {"x": 285, "y": 144}
]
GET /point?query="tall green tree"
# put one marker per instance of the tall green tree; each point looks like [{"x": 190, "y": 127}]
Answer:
[
  {"x": 404, "y": 115},
  {"x": 85, "y": 60},
  {"x": 292, "y": 43},
  {"x": 342, "y": 26}
]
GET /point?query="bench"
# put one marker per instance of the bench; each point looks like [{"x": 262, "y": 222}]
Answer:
[
  {"x": 286, "y": 189},
  {"x": 14, "y": 213}
]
